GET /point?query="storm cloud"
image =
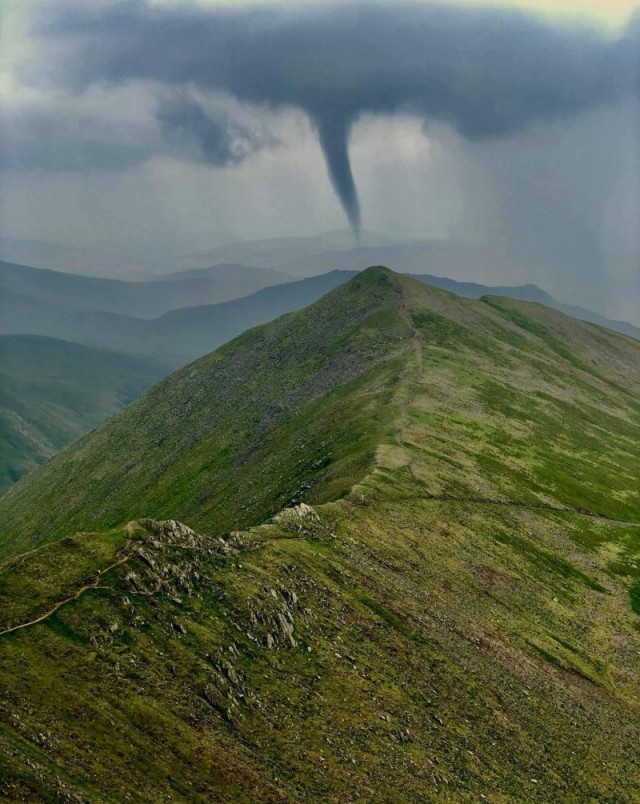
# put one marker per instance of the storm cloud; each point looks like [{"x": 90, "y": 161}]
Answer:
[
  {"x": 489, "y": 73},
  {"x": 208, "y": 133},
  {"x": 65, "y": 137}
]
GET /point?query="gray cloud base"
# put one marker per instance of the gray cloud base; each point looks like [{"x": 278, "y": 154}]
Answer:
[
  {"x": 40, "y": 138},
  {"x": 68, "y": 138},
  {"x": 209, "y": 135},
  {"x": 487, "y": 72}
]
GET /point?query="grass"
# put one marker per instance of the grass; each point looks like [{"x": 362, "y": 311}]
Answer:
[
  {"x": 52, "y": 392},
  {"x": 447, "y": 625}
]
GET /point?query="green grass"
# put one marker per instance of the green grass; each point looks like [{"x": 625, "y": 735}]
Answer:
[
  {"x": 546, "y": 561},
  {"x": 450, "y": 624},
  {"x": 52, "y": 392},
  {"x": 271, "y": 417}
]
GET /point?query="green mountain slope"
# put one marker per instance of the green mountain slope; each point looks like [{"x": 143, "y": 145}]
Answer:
[
  {"x": 52, "y": 392},
  {"x": 473, "y": 290},
  {"x": 455, "y": 616},
  {"x": 189, "y": 445}
]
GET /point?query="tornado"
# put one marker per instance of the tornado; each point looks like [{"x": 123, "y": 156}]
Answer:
[{"x": 333, "y": 134}]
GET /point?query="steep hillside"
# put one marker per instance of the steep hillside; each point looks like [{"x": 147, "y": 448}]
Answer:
[
  {"x": 139, "y": 299},
  {"x": 455, "y": 616},
  {"x": 198, "y": 330},
  {"x": 52, "y": 392},
  {"x": 279, "y": 401}
]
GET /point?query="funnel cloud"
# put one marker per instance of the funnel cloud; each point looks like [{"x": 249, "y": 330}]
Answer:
[
  {"x": 333, "y": 135},
  {"x": 488, "y": 73}
]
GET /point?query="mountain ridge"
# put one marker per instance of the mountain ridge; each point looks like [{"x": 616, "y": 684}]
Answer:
[
  {"x": 491, "y": 316},
  {"x": 437, "y": 488},
  {"x": 186, "y": 334}
]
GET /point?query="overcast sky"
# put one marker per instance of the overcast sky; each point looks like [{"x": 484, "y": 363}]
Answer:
[{"x": 146, "y": 127}]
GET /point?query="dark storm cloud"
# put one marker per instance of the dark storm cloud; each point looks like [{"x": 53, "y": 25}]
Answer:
[
  {"x": 487, "y": 72},
  {"x": 67, "y": 138},
  {"x": 210, "y": 136}
]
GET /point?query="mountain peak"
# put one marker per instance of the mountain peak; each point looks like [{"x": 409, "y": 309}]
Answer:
[
  {"x": 376, "y": 271},
  {"x": 377, "y": 276}
]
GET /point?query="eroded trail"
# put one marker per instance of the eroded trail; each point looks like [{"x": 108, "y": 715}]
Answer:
[
  {"x": 415, "y": 336},
  {"x": 95, "y": 584}
]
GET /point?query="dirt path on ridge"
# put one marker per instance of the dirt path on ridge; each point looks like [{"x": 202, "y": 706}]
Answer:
[
  {"x": 415, "y": 336},
  {"x": 95, "y": 584}
]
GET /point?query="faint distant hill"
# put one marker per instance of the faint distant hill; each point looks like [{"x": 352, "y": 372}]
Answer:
[
  {"x": 178, "y": 336},
  {"x": 25, "y": 315},
  {"x": 232, "y": 273},
  {"x": 595, "y": 318},
  {"x": 55, "y": 257},
  {"x": 330, "y": 251},
  {"x": 272, "y": 252},
  {"x": 442, "y": 257},
  {"x": 141, "y": 299}
]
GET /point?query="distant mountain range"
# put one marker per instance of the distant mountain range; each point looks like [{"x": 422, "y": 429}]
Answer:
[
  {"x": 55, "y": 257},
  {"x": 442, "y": 257},
  {"x": 179, "y": 335},
  {"x": 275, "y": 251},
  {"x": 147, "y": 299},
  {"x": 183, "y": 334}
]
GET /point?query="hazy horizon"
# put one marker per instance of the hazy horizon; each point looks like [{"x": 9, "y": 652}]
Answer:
[{"x": 111, "y": 153}]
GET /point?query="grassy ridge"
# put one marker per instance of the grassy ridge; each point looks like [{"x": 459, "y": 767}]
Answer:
[
  {"x": 456, "y": 618},
  {"x": 274, "y": 416},
  {"x": 484, "y": 670}
]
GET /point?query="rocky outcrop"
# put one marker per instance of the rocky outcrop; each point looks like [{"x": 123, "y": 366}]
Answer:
[
  {"x": 273, "y": 620},
  {"x": 169, "y": 559},
  {"x": 304, "y": 521}
]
